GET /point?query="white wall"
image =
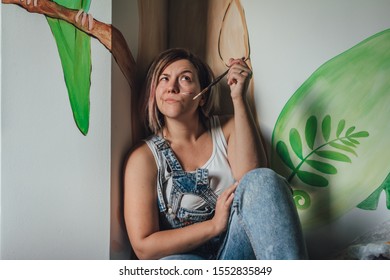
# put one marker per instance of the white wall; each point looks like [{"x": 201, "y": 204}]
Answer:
[
  {"x": 55, "y": 184},
  {"x": 289, "y": 41}
]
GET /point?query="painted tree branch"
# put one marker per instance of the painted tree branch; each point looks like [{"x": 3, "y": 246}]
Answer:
[{"x": 105, "y": 33}]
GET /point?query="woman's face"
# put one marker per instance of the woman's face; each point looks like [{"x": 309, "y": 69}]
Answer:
[{"x": 176, "y": 87}]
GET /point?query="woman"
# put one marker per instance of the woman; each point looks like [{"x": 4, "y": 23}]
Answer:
[{"x": 195, "y": 189}]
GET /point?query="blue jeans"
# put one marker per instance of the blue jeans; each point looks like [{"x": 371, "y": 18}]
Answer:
[{"x": 263, "y": 222}]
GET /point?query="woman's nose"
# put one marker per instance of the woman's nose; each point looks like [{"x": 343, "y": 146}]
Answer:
[{"x": 173, "y": 86}]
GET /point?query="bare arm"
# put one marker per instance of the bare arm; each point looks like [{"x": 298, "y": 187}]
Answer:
[
  {"x": 142, "y": 217},
  {"x": 245, "y": 148}
]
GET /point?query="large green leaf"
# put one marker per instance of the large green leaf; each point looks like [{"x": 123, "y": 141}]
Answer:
[
  {"x": 371, "y": 202},
  {"x": 354, "y": 89},
  {"x": 74, "y": 48}
]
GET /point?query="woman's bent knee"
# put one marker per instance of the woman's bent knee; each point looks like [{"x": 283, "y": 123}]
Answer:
[
  {"x": 262, "y": 187},
  {"x": 264, "y": 179}
]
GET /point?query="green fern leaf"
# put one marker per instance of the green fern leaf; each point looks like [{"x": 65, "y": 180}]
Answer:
[
  {"x": 322, "y": 166},
  {"x": 350, "y": 130},
  {"x": 348, "y": 143},
  {"x": 326, "y": 127},
  {"x": 296, "y": 143},
  {"x": 360, "y": 134},
  {"x": 340, "y": 128},
  {"x": 343, "y": 147},
  {"x": 311, "y": 131},
  {"x": 312, "y": 179},
  {"x": 354, "y": 141},
  {"x": 282, "y": 150},
  {"x": 334, "y": 156}
]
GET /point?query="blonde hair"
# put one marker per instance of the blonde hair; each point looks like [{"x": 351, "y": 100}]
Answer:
[{"x": 205, "y": 76}]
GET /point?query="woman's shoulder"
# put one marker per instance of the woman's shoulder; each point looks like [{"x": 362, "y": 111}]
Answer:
[
  {"x": 225, "y": 122},
  {"x": 140, "y": 172},
  {"x": 140, "y": 155},
  {"x": 223, "y": 119}
]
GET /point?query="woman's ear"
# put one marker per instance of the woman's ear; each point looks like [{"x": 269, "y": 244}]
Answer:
[{"x": 202, "y": 101}]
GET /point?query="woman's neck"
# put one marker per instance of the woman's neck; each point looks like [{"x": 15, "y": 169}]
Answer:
[{"x": 180, "y": 131}]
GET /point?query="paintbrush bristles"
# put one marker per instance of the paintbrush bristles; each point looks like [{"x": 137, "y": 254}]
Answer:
[{"x": 200, "y": 93}]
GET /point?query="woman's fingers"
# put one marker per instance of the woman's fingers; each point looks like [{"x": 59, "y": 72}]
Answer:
[
  {"x": 222, "y": 210},
  {"x": 239, "y": 71},
  {"x": 228, "y": 195},
  {"x": 229, "y": 200}
]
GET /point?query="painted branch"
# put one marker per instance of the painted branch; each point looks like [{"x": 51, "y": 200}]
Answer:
[{"x": 107, "y": 34}]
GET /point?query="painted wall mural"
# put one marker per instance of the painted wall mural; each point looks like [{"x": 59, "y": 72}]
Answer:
[
  {"x": 217, "y": 21},
  {"x": 331, "y": 137},
  {"x": 74, "y": 48},
  {"x": 330, "y": 140},
  {"x": 72, "y": 29}
]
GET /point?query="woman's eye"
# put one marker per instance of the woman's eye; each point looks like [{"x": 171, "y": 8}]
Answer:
[
  {"x": 164, "y": 78},
  {"x": 186, "y": 78}
]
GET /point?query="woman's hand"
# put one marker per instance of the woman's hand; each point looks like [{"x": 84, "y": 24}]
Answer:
[
  {"x": 238, "y": 77},
  {"x": 222, "y": 209}
]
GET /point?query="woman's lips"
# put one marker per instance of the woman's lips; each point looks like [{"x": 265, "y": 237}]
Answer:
[{"x": 171, "y": 100}]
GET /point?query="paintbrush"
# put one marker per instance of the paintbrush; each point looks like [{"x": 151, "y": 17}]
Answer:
[{"x": 211, "y": 84}]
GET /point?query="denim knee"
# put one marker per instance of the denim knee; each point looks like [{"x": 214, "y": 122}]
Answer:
[
  {"x": 266, "y": 211},
  {"x": 262, "y": 181}
]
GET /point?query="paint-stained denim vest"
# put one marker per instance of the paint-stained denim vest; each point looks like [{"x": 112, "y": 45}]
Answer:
[{"x": 173, "y": 215}]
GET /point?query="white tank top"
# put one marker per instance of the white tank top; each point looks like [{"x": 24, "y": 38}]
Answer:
[{"x": 220, "y": 174}]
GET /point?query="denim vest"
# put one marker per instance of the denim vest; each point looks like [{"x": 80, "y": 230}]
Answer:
[{"x": 172, "y": 215}]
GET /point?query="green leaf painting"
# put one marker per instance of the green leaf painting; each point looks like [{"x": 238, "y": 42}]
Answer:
[
  {"x": 371, "y": 202},
  {"x": 339, "y": 153},
  {"x": 74, "y": 47},
  {"x": 331, "y": 138}
]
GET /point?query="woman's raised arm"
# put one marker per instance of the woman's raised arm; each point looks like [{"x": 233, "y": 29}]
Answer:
[{"x": 245, "y": 148}]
